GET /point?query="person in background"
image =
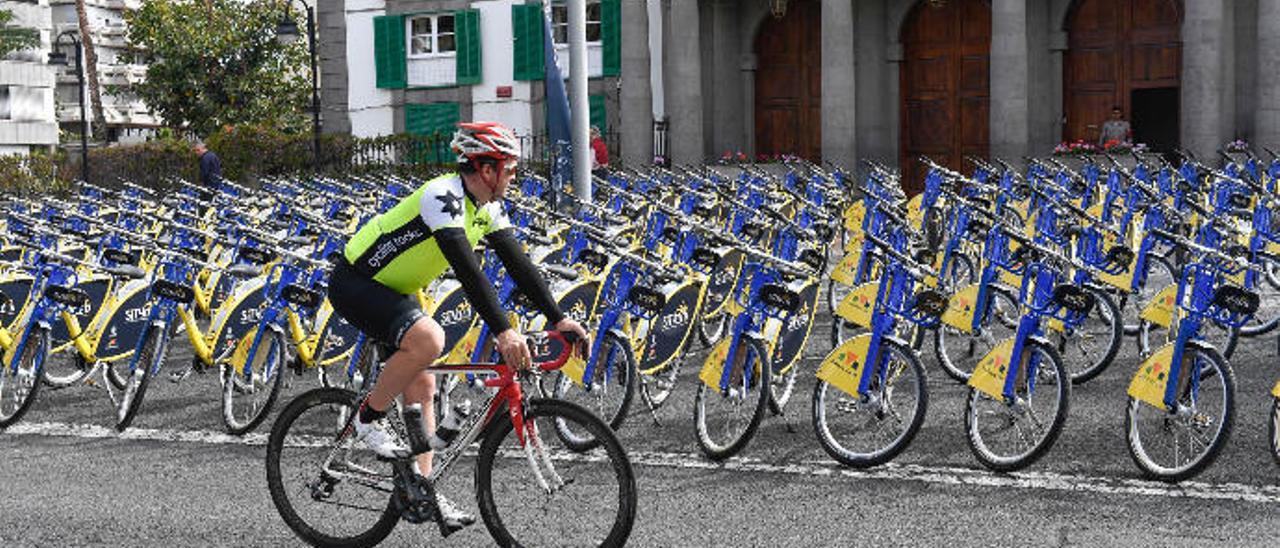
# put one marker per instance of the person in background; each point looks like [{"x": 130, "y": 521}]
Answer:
[
  {"x": 210, "y": 170},
  {"x": 599, "y": 155},
  {"x": 1115, "y": 130}
]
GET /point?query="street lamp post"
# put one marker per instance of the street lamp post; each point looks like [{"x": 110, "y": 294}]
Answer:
[
  {"x": 58, "y": 58},
  {"x": 287, "y": 33}
]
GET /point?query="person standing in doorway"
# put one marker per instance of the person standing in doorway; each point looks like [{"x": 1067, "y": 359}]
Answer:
[
  {"x": 599, "y": 155},
  {"x": 1115, "y": 130},
  {"x": 210, "y": 170}
]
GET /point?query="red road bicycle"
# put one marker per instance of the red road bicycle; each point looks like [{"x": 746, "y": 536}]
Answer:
[{"x": 532, "y": 489}]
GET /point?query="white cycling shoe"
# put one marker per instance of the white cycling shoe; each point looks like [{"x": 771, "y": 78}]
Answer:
[{"x": 380, "y": 439}]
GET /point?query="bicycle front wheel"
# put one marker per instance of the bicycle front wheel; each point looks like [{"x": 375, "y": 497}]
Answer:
[
  {"x": 608, "y": 392},
  {"x": 1089, "y": 348},
  {"x": 1274, "y": 429},
  {"x": 247, "y": 397},
  {"x": 544, "y": 493},
  {"x": 1178, "y": 444},
  {"x": 20, "y": 382},
  {"x": 726, "y": 419},
  {"x": 145, "y": 362},
  {"x": 863, "y": 432},
  {"x": 329, "y": 493},
  {"x": 1010, "y": 434}
]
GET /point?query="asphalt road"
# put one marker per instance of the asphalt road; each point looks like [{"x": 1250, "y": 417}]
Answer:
[{"x": 66, "y": 480}]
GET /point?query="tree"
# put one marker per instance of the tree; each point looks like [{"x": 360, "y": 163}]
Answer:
[
  {"x": 14, "y": 38},
  {"x": 91, "y": 72},
  {"x": 216, "y": 63}
]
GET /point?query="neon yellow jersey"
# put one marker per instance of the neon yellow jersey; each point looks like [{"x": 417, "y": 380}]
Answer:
[{"x": 397, "y": 249}]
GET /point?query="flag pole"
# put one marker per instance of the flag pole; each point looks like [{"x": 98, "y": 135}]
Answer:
[{"x": 581, "y": 115}]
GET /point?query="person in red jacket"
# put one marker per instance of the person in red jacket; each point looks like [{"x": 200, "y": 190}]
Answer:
[{"x": 600, "y": 155}]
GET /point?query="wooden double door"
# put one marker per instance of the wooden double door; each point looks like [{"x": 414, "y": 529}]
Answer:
[
  {"x": 944, "y": 86},
  {"x": 1125, "y": 53},
  {"x": 788, "y": 88}
]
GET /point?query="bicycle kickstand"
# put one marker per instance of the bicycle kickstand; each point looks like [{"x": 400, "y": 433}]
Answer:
[{"x": 648, "y": 402}]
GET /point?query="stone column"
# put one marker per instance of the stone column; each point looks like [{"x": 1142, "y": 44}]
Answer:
[
  {"x": 839, "y": 107},
  {"x": 1010, "y": 80},
  {"x": 636, "y": 97},
  {"x": 1267, "y": 115},
  {"x": 1206, "y": 77},
  {"x": 684, "y": 71}
]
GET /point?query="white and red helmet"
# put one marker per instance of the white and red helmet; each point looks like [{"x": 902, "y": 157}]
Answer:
[{"x": 485, "y": 140}]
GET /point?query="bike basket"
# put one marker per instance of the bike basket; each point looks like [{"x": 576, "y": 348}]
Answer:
[
  {"x": 1238, "y": 201},
  {"x": 752, "y": 230},
  {"x": 256, "y": 255},
  {"x": 930, "y": 303},
  {"x": 119, "y": 256},
  {"x": 647, "y": 299},
  {"x": 1119, "y": 257},
  {"x": 1235, "y": 299},
  {"x": 813, "y": 258},
  {"x": 1073, "y": 298},
  {"x": 779, "y": 297},
  {"x": 670, "y": 234},
  {"x": 705, "y": 258},
  {"x": 301, "y": 296},
  {"x": 823, "y": 231},
  {"x": 179, "y": 293},
  {"x": 594, "y": 260},
  {"x": 194, "y": 253},
  {"x": 1236, "y": 250},
  {"x": 70, "y": 296}
]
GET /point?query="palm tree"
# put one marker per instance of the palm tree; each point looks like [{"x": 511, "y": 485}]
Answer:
[{"x": 91, "y": 72}]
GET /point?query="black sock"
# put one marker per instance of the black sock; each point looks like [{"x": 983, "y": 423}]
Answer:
[{"x": 368, "y": 414}]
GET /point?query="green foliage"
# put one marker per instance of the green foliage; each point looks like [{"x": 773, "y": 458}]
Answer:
[
  {"x": 217, "y": 63},
  {"x": 13, "y": 38},
  {"x": 28, "y": 175}
]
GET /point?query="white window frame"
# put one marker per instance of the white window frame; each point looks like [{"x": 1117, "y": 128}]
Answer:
[
  {"x": 561, "y": 7},
  {"x": 433, "y": 36}
]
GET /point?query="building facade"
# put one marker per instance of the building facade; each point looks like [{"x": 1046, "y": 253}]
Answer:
[
  {"x": 127, "y": 117},
  {"x": 838, "y": 80},
  {"x": 26, "y": 86}
]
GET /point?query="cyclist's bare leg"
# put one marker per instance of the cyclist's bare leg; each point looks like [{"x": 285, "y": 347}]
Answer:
[
  {"x": 422, "y": 389},
  {"x": 406, "y": 372}
]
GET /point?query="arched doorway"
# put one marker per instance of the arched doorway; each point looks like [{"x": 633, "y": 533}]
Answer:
[
  {"x": 788, "y": 90},
  {"x": 1125, "y": 53},
  {"x": 944, "y": 85}
]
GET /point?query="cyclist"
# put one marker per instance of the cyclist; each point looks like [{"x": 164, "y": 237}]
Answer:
[{"x": 401, "y": 251}]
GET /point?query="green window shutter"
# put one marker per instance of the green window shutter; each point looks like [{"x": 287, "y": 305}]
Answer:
[
  {"x": 467, "y": 25},
  {"x": 437, "y": 122},
  {"x": 598, "y": 115},
  {"x": 526, "y": 23},
  {"x": 611, "y": 37},
  {"x": 388, "y": 51}
]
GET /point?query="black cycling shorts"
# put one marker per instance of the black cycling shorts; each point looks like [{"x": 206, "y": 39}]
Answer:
[{"x": 377, "y": 310}]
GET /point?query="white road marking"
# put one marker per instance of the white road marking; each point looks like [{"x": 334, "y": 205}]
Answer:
[{"x": 1044, "y": 481}]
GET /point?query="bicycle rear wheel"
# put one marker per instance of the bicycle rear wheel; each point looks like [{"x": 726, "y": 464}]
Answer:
[
  {"x": 1010, "y": 435},
  {"x": 20, "y": 384},
  {"x": 587, "y": 499},
  {"x": 65, "y": 368},
  {"x": 726, "y": 420},
  {"x": 1175, "y": 445},
  {"x": 958, "y": 352},
  {"x": 329, "y": 493},
  {"x": 248, "y": 397},
  {"x": 863, "y": 433}
]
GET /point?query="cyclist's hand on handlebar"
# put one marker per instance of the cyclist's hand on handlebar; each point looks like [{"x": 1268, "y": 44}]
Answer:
[
  {"x": 570, "y": 325},
  {"x": 514, "y": 348}
]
